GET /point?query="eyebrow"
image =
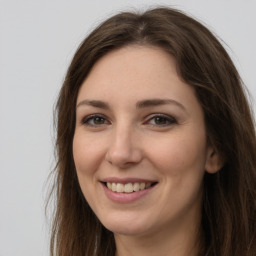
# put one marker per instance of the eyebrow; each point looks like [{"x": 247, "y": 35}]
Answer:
[
  {"x": 94, "y": 103},
  {"x": 140, "y": 104},
  {"x": 158, "y": 102}
]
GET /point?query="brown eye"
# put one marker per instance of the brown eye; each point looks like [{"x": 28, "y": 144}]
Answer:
[
  {"x": 161, "y": 120},
  {"x": 98, "y": 120},
  {"x": 94, "y": 120}
]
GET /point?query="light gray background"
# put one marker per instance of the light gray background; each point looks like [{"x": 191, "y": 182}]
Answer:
[{"x": 37, "y": 41}]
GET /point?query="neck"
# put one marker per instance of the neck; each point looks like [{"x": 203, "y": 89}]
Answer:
[{"x": 182, "y": 242}]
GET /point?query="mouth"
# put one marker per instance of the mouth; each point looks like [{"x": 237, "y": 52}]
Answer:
[{"x": 129, "y": 187}]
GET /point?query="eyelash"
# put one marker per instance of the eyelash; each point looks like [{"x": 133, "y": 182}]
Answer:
[
  {"x": 165, "y": 120},
  {"x": 88, "y": 119},
  {"x": 168, "y": 120}
]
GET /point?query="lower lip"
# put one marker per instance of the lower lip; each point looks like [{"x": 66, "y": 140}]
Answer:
[{"x": 126, "y": 197}]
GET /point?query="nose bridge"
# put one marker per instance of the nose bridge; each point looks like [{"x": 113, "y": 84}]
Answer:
[
  {"x": 122, "y": 136},
  {"x": 123, "y": 148}
]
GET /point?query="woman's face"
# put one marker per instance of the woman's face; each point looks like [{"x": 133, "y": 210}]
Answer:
[{"x": 140, "y": 146}]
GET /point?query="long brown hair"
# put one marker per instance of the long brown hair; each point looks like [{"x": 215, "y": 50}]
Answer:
[{"x": 229, "y": 202}]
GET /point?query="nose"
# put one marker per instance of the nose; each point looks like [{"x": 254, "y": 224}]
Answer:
[{"x": 124, "y": 149}]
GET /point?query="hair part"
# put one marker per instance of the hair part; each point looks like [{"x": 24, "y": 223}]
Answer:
[{"x": 229, "y": 200}]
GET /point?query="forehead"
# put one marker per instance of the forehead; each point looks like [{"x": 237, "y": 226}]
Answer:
[
  {"x": 136, "y": 58},
  {"x": 135, "y": 73}
]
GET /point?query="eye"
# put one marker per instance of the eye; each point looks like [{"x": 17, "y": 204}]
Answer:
[
  {"x": 161, "y": 120},
  {"x": 95, "y": 120}
]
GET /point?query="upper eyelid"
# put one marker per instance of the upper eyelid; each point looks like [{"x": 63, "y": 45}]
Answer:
[
  {"x": 172, "y": 120},
  {"x": 88, "y": 117},
  {"x": 94, "y": 114},
  {"x": 146, "y": 118},
  {"x": 160, "y": 114}
]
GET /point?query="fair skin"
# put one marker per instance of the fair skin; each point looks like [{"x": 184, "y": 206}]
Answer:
[{"x": 138, "y": 124}]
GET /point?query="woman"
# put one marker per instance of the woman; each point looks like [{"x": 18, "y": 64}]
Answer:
[{"x": 155, "y": 144}]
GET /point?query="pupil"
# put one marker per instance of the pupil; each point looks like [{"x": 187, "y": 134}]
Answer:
[
  {"x": 160, "y": 120},
  {"x": 98, "y": 120}
]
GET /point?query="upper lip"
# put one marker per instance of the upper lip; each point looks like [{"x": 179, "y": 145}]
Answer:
[{"x": 127, "y": 180}]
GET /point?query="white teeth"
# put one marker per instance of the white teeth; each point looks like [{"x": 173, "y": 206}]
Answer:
[
  {"x": 119, "y": 187},
  {"x": 128, "y": 187},
  {"x": 136, "y": 186},
  {"x": 142, "y": 186},
  {"x": 113, "y": 187}
]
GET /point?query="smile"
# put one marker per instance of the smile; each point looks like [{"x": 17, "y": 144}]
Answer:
[
  {"x": 128, "y": 187},
  {"x": 127, "y": 190}
]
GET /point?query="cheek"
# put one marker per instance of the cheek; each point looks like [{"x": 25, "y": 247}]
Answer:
[
  {"x": 180, "y": 154},
  {"x": 181, "y": 161},
  {"x": 88, "y": 153}
]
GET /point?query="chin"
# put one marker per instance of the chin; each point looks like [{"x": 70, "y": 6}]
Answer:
[
  {"x": 126, "y": 226},
  {"x": 128, "y": 230}
]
